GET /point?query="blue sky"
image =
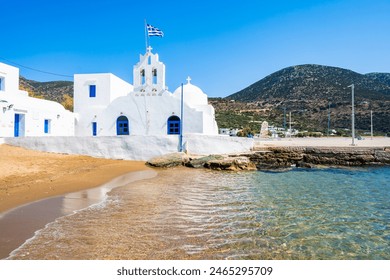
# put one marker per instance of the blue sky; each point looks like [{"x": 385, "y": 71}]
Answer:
[{"x": 223, "y": 45}]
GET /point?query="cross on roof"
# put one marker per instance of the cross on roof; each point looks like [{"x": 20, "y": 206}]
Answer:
[
  {"x": 149, "y": 49},
  {"x": 188, "y": 79}
]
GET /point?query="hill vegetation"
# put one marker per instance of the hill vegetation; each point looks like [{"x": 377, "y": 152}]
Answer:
[
  {"x": 59, "y": 91},
  {"x": 309, "y": 92}
]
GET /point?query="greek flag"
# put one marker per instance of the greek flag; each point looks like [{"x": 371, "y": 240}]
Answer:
[{"x": 154, "y": 31}]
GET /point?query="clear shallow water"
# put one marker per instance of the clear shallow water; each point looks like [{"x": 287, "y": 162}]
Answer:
[{"x": 198, "y": 214}]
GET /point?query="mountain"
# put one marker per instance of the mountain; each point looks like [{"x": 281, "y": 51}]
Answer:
[
  {"x": 380, "y": 77},
  {"x": 59, "y": 91},
  {"x": 307, "y": 91},
  {"x": 316, "y": 81}
]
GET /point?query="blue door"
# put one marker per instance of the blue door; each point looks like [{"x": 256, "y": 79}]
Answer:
[
  {"x": 173, "y": 125},
  {"x": 16, "y": 126},
  {"x": 94, "y": 128},
  {"x": 46, "y": 129},
  {"x": 122, "y": 126}
]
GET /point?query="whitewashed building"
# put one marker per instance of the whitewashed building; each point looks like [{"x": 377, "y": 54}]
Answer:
[
  {"x": 105, "y": 105},
  {"x": 22, "y": 115}
]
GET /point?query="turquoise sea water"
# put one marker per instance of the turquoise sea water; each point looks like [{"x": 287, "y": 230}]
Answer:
[{"x": 197, "y": 214}]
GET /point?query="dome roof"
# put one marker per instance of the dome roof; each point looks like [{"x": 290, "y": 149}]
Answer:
[
  {"x": 188, "y": 88},
  {"x": 193, "y": 95}
]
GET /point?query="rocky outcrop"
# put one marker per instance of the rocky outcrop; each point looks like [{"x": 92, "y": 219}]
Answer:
[
  {"x": 168, "y": 160},
  {"x": 283, "y": 157},
  {"x": 199, "y": 162},
  {"x": 231, "y": 163},
  {"x": 280, "y": 158},
  {"x": 215, "y": 162}
]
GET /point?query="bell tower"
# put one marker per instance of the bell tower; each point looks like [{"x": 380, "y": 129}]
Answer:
[{"x": 149, "y": 74}]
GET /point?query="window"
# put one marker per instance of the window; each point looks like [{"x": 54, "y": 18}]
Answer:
[
  {"x": 173, "y": 125},
  {"x": 94, "y": 128},
  {"x": 47, "y": 126},
  {"x": 2, "y": 84},
  {"x": 154, "y": 76},
  {"x": 122, "y": 126},
  {"x": 92, "y": 90},
  {"x": 142, "y": 77},
  {"x": 149, "y": 60}
]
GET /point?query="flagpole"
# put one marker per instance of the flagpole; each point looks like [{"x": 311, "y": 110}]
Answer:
[
  {"x": 181, "y": 121},
  {"x": 146, "y": 37}
]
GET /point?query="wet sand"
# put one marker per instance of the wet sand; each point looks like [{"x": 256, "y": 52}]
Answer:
[
  {"x": 27, "y": 175},
  {"x": 38, "y": 187},
  {"x": 20, "y": 224}
]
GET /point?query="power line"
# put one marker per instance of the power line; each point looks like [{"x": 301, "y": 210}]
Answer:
[{"x": 33, "y": 69}]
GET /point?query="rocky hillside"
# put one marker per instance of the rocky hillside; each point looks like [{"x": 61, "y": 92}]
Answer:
[
  {"x": 307, "y": 91},
  {"x": 317, "y": 82},
  {"x": 59, "y": 91}
]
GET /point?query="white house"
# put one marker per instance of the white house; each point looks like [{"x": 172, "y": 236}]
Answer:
[
  {"x": 22, "y": 115},
  {"x": 105, "y": 105}
]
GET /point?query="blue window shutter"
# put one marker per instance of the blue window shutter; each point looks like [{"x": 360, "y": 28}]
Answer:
[{"x": 92, "y": 90}]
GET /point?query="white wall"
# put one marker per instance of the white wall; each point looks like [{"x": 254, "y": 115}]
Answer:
[
  {"x": 32, "y": 111},
  {"x": 134, "y": 147},
  {"x": 147, "y": 115},
  {"x": 11, "y": 77}
]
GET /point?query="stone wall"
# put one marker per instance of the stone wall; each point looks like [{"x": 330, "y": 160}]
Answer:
[
  {"x": 283, "y": 157},
  {"x": 280, "y": 158}
]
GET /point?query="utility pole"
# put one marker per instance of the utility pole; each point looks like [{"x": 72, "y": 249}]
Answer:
[
  {"x": 290, "y": 125},
  {"x": 353, "y": 114},
  {"x": 284, "y": 120},
  {"x": 181, "y": 120},
  {"x": 328, "y": 119},
  {"x": 372, "y": 127}
]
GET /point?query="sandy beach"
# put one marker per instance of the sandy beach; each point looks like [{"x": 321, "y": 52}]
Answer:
[{"x": 28, "y": 175}]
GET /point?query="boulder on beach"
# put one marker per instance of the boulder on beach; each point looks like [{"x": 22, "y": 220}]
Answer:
[{"x": 168, "y": 160}]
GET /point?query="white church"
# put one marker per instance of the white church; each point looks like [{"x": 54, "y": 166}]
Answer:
[
  {"x": 105, "y": 105},
  {"x": 113, "y": 118}
]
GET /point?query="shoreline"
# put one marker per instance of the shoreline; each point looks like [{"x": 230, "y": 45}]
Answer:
[
  {"x": 286, "y": 153},
  {"x": 38, "y": 187},
  {"x": 29, "y": 175},
  {"x": 22, "y": 223}
]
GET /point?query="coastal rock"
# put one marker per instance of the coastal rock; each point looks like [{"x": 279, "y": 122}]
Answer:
[
  {"x": 308, "y": 157},
  {"x": 280, "y": 158},
  {"x": 383, "y": 156},
  {"x": 201, "y": 162},
  {"x": 232, "y": 164},
  {"x": 168, "y": 160}
]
